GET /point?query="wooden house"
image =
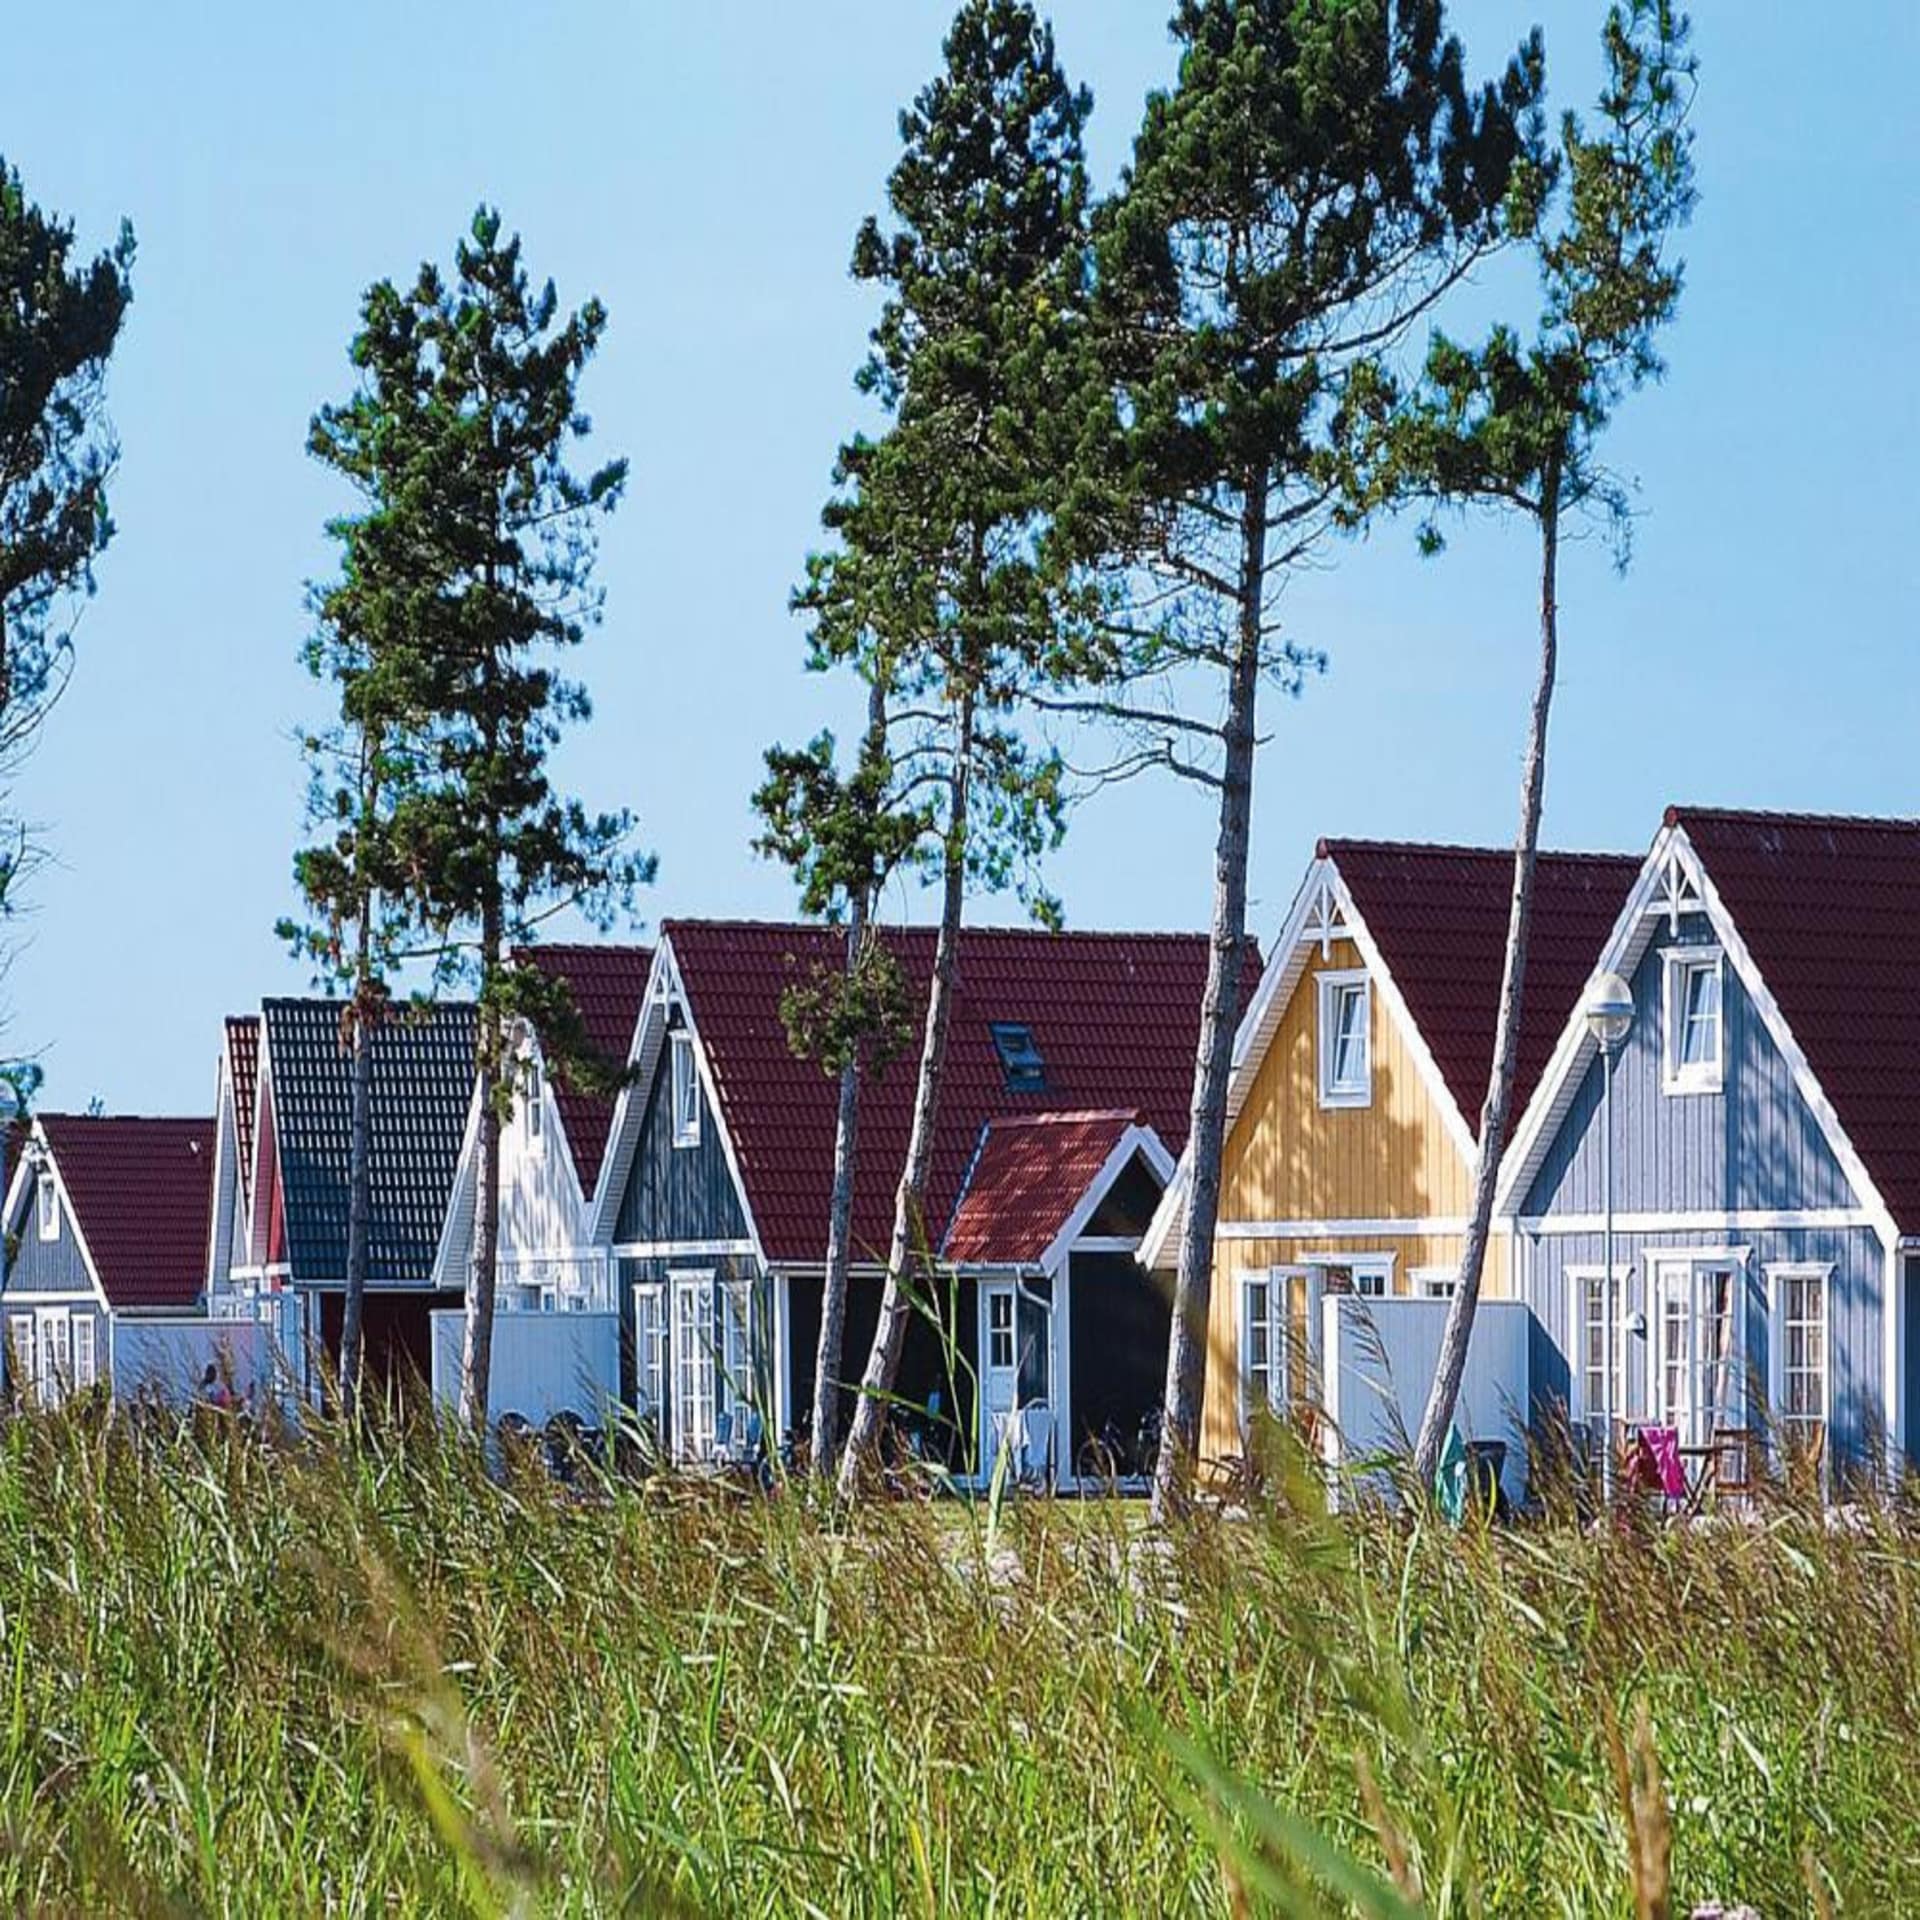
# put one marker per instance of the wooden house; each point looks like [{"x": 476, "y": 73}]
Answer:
[
  {"x": 1359, "y": 1071},
  {"x": 1766, "y": 1152}
]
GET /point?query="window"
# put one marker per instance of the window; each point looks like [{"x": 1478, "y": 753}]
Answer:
[
  {"x": 46, "y": 1197},
  {"x": 1021, "y": 1065},
  {"x": 1000, "y": 1329},
  {"x": 1800, "y": 1367},
  {"x": 693, "y": 1370},
  {"x": 1597, "y": 1385},
  {"x": 1369, "y": 1275},
  {"x": 1346, "y": 1063},
  {"x": 83, "y": 1362},
  {"x": 20, "y": 1353},
  {"x": 650, "y": 1349},
  {"x": 686, "y": 1091},
  {"x": 56, "y": 1355},
  {"x": 1435, "y": 1283},
  {"x": 536, "y": 1118},
  {"x": 1694, "y": 1027},
  {"x": 1277, "y": 1314},
  {"x": 1697, "y": 1358},
  {"x": 736, "y": 1342}
]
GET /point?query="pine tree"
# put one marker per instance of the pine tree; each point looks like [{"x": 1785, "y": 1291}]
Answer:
[
  {"x": 935, "y": 586},
  {"x": 60, "y": 319},
  {"x": 494, "y": 539},
  {"x": 1319, "y": 176},
  {"x": 1516, "y": 425}
]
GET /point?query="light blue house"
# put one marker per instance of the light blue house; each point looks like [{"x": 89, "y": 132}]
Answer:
[{"x": 1765, "y": 1190}]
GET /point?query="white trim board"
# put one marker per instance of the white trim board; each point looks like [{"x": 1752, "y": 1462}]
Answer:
[
  {"x": 1742, "y": 1220},
  {"x": 1435, "y": 1227}
]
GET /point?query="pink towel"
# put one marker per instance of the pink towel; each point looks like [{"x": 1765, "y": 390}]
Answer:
[{"x": 1659, "y": 1459}]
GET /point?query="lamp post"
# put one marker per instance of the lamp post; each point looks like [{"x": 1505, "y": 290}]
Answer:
[{"x": 1609, "y": 1017}]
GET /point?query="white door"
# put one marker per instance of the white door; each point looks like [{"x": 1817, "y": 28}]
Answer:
[
  {"x": 1016, "y": 1375},
  {"x": 56, "y": 1355},
  {"x": 1697, "y": 1348},
  {"x": 693, "y": 1368}
]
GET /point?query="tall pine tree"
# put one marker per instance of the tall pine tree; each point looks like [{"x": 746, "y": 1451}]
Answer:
[
  {"x": 1516, "y": 426},
  {"x": 494, "y": 536},
  {"x": 60, "y": 318},
  {"x": 1319, "y": 176},
  {"x": 935, "y": 584}
]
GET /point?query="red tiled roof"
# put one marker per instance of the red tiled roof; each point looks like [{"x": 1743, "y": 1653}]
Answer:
[
  {"x": 1438, "y": 916},
  {"x": 243, "y": 1075},
  {"x": 1030, "y": 1173},
  {"x": 1795, "y": 884},
  {"x": 608, "y": 983},
  {"x": 1115, "y": 1017},
  {"x": 141, "y": 1191}
]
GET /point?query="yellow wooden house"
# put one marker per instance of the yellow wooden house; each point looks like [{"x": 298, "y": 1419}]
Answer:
[{"x": 1359, "y": 1072}]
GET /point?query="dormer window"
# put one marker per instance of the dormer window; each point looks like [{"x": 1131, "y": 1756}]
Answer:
[
  {"x": 686, "y": 1090},
  {"x": 46, "y": 1203},
  {"x": 1695, "y": 1027},
  {"x": 1021, "y": 1065},
  {"x": 1346, "y": 1041},
  {"x": 535, "y": 1101}
]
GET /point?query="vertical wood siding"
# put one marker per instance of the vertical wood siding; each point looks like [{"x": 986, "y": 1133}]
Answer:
[
  {"x": 1288, "y": 1159},
  {"x": 1754, "y": 1145},
  {"x": 678, "y": 1193},
  {"x": 47, "y": 1266}
]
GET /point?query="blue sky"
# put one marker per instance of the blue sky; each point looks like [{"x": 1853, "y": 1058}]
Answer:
[{"x": 703, "y": 169}]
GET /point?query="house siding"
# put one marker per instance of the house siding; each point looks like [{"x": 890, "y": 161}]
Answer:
[
  {"x": 1753, "y": 1147},
  {"x": 678, "y": 1193},
  {"x": 541, "y": 1212},
  {"x": 47, "y": 1266},
  {"x": 630, "y": 1274}
]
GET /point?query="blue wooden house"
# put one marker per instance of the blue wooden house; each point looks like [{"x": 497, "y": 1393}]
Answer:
[{"x": 1765, "y": 1188}]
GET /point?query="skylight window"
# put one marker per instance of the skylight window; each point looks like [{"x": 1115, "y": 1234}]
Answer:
[{"x": 1021, "y": 1064}]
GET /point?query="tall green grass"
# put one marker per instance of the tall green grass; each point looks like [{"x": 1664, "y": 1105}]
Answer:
[{"x": 250, "y": 1678}]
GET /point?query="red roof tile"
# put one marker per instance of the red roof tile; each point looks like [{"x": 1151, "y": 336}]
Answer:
[
  {"x": 1795, "y": 884},
  {"x": 1115, "y": 1017},
  {"x": 243, "y": 1075},
  {"x": 141, "y": 1191},
  {"x": 1028, "y": 1176},
  {"x": 1438, "y": 916},
  {"x": 608, "y": 983}
]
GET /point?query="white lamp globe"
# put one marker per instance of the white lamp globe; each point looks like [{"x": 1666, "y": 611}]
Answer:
[{"x": 1609, "y": 1009}]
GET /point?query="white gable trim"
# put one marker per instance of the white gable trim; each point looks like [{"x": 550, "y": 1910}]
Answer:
[
  {"x": 1138, "y": 1140},
  {"x": 1322, "y": 912},
  {"x": 1673, "y": 881},
  {"x": 664, "y": 989},
  {"x": 38, "y": 1157}
]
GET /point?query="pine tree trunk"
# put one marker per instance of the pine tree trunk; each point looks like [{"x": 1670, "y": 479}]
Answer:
[
  {"x": 833, "y": 1293},
  {"x": 909, "y": 1223},
  {"x": 477, "y": 1360},
  {"x": 1450, "y": 1369},
  {"x": 359, "y": 1184},
  {"x": 1213, "y": 1056}
]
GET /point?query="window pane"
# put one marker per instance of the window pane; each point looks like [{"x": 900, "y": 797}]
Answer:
[
  {"x": 1700, "y": 1026},
  {"x": 1350, "y": 1038}
]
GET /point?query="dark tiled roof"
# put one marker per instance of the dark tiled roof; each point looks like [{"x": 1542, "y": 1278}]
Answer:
[
  {"x": 141, "y": 1191},
  {"x": 423, "y": 1075},
  {"x": 243, "y": 1075},
  {"x": 1030, "y": 1173},
  {"x": 1439, "y": 918},
  {"x": 1115, "y": 1017},
  {"x": 1795, "y": 886},
  {"x": 608, "y": 983}
]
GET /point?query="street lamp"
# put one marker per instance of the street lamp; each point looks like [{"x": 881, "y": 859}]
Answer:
[{"x": 1609, "y": 1017}]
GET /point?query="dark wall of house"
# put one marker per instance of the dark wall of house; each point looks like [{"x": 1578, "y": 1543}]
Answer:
[
  {"x": 632, "y": 1273},
  {"x": 939, "y": 1357},
  {"x": 398, "y": 1328},
  {"x": 678, "y": 1193},
  {"x": 1127, "y": 1211},
  {"x": 1121, "y": 1319},
  {"x": 47, "y": 1266}
]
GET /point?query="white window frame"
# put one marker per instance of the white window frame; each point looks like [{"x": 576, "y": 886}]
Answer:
[
  {"x": 1680, "y": 964},
  {"x": 1271, "y": 1378},
  {"x": 1434, "y": 1283},
  {"x": 652, "y": 1355},
  {"x": 695, "y": 1379},
  {"x": 23, "y": 1353},
  {"x": 86, "y": 1359},
  {"x": 1583, "y": 1408},
  {"x": 535, "y": 1098},
  {"x": 684, "y": 1088},
  {"x": 1779, "y": 1276},
  {"x": 734, "y": 1386},
  {"x": 1333, "y": 989},
  {"x": 1372, "y": 1273},
  {"x": 46, "y": 1204},
  {"x": 1684, "y": 1279},
  {"x": 53, "y": 1367},
  {"x": 1003, "y": 1345}
]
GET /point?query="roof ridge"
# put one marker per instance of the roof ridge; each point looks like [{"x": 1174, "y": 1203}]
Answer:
[
  {"x": 1791, "y": 817},
  {"x": 144, "y": 1119},
  {"x": 1328, "y": 845},
  {"x": 816, "y": 928},
  {"x": 1063, "y": 1116}
]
